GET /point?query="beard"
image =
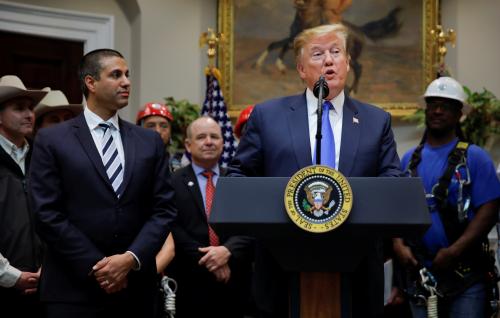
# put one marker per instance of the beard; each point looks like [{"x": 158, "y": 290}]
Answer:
[{"x": 440, "y": 132}]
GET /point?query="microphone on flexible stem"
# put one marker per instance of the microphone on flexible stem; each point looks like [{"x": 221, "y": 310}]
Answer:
[{"x": 320, "y": 90}]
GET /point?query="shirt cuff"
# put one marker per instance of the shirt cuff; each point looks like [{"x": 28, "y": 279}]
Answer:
[
  {"x": 9, "y": 276},
  {"x": 137, "y": 265}
]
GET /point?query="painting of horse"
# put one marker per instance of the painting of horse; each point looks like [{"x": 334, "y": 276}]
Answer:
[{"x": 385, "y": 47}]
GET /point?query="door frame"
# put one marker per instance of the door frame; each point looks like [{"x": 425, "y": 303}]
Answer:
[{"x": 94, "y": 30}]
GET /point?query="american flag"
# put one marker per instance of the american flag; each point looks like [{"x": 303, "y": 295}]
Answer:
[{"x": 215, "y": 107}]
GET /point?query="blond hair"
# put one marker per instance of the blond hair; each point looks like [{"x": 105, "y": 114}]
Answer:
[{"x": 305, "y": 36}]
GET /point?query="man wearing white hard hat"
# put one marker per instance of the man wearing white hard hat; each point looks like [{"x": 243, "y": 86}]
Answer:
[
  {"x": 20, "y": 247},
  {"x": 54, "y": 108},
  {"x": 463, "y": 196}
]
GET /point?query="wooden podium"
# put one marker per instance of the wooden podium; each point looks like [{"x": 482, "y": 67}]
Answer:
[{"x": 382, "y": 207}]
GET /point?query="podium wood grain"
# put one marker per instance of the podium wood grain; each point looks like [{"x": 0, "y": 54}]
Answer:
[{"x": 320, "y": 295}]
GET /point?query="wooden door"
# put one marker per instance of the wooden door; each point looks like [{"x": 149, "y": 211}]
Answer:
[{"x": 42, "y": 62}]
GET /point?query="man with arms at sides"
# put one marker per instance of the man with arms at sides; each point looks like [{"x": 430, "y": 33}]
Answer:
[
  {"x": 20, "y": 247},
  {"x": 212, "y": 271},
  {"x": 102, "y": 202},
  {"x": 453, "y": 248},
  {"x": 280, "y": 139}
]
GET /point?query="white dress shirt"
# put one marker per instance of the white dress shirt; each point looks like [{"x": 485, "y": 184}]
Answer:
[
  {"x": 93, "y": 121},
  {"x": 8, "y": 274},
  {"x": 335, "y": 115},
  {"x": 17, "y": 154}
]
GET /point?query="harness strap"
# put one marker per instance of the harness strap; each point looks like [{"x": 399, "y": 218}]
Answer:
[{"x": 440, "y": 190}]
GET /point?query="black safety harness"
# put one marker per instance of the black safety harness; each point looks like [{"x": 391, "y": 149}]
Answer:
[{"x": 473, "y": 265}]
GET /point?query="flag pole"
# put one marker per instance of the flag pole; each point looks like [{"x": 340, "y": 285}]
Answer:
[{"x": 214, "y": 105}]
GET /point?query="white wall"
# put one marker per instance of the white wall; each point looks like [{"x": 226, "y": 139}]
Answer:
[
  {"x": 171, "y": 61},
  {"x": 474, "y": 61}
]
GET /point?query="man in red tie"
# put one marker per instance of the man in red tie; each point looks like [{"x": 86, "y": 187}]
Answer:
[{"x": 212, "y": 271}]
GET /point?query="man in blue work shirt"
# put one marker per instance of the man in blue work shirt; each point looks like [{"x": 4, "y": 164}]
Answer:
[{"x": 463, "y": 194}]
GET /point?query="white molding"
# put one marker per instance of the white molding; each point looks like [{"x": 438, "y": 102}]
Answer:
[{"x": 95, "y": 30}]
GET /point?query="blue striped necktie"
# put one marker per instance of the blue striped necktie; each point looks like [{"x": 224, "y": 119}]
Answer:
[
  {"x": 327, "y": 140},
  {"x": 110, "y": 158}
]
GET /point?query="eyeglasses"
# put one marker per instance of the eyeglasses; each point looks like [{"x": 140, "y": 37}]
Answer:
[{"x": 443, "y": 105}]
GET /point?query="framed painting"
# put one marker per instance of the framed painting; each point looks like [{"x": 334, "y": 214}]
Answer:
[{"x": 392, "y": 52}]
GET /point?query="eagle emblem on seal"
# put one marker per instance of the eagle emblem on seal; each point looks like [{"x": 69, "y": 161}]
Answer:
[{"x": 318, "y": 198}]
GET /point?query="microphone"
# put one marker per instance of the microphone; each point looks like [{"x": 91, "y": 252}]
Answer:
[
  {"x": 321, "y": 86},
  {"x": 320, "y": 90}
]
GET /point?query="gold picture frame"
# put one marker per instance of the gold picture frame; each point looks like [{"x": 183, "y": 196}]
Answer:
[{"x": 429, "y": 18}]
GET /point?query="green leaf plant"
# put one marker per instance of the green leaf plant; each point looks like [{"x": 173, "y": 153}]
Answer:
[{"x": 184, "y": 112}]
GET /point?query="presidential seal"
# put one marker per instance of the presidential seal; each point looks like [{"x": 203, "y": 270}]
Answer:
[{"x": 318, "y": 198}]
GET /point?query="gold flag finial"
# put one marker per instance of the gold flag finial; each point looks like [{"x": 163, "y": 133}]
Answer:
[
  {"x": 441, "y": 37},
  {"x": 212, "y": 40}
]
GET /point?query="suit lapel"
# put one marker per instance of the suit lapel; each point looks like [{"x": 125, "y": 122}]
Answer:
[
  {"x": 84, "y": 136},
  {"x": 350, "y": 137},
  {"x": 193, "y": 187},
  {"x": 298, "y": 124},
  {"x": 129, "y": 152}
]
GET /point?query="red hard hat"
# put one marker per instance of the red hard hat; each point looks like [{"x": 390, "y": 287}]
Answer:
[
  {"x": 242, "y": 120},
  {"x": 153, "y": 109}
]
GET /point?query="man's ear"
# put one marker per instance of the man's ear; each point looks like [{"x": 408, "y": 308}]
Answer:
[
  {"x": 90, "y": 82},
  {"x": 300, "y": 69},
  {"x": 187, "y": 145}
]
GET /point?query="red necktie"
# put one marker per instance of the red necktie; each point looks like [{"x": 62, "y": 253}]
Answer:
[{"x": 209, "y": 196}]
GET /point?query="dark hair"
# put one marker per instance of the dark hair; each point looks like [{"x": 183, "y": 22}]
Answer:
[{"x": 91, "y": 65}]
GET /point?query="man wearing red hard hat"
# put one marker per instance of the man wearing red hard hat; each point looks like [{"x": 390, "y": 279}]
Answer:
[{"x": 156, "y": 116}]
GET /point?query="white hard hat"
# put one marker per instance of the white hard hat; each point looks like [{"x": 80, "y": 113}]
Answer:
[{"x": 447, "y": 87}]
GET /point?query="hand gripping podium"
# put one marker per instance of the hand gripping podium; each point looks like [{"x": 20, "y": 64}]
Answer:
[{"x": 382, "y": 207}]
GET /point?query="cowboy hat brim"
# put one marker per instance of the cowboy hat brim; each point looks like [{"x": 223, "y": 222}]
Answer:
[
  {"x": 42, "y": 109},
  {"x": 7, "y": 93}
]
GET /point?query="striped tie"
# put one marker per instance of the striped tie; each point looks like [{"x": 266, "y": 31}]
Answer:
[{"x": 110, "y": 158}]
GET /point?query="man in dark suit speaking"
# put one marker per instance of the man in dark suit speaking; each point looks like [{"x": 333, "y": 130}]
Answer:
[
  {"x": 357, "y": 141},
  {"x": 102, "y": 202}
]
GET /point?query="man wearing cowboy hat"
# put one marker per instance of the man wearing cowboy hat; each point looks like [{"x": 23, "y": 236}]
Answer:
[
  {"x": 20, "y": 247},
  {"x": 54, "y": 108}
]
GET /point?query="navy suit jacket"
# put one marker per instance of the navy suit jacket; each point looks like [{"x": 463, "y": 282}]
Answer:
[
  {"x": 277, "y": 144},
  {"x": 82, "y": 220},
  {"x": 191, "y": 226},
  {"x": 199, "y": 294}
]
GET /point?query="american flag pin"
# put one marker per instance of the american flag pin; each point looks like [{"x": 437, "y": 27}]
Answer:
[
  {"x": 190, "y": 183},
  {"x": 355, "y": 120}
]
